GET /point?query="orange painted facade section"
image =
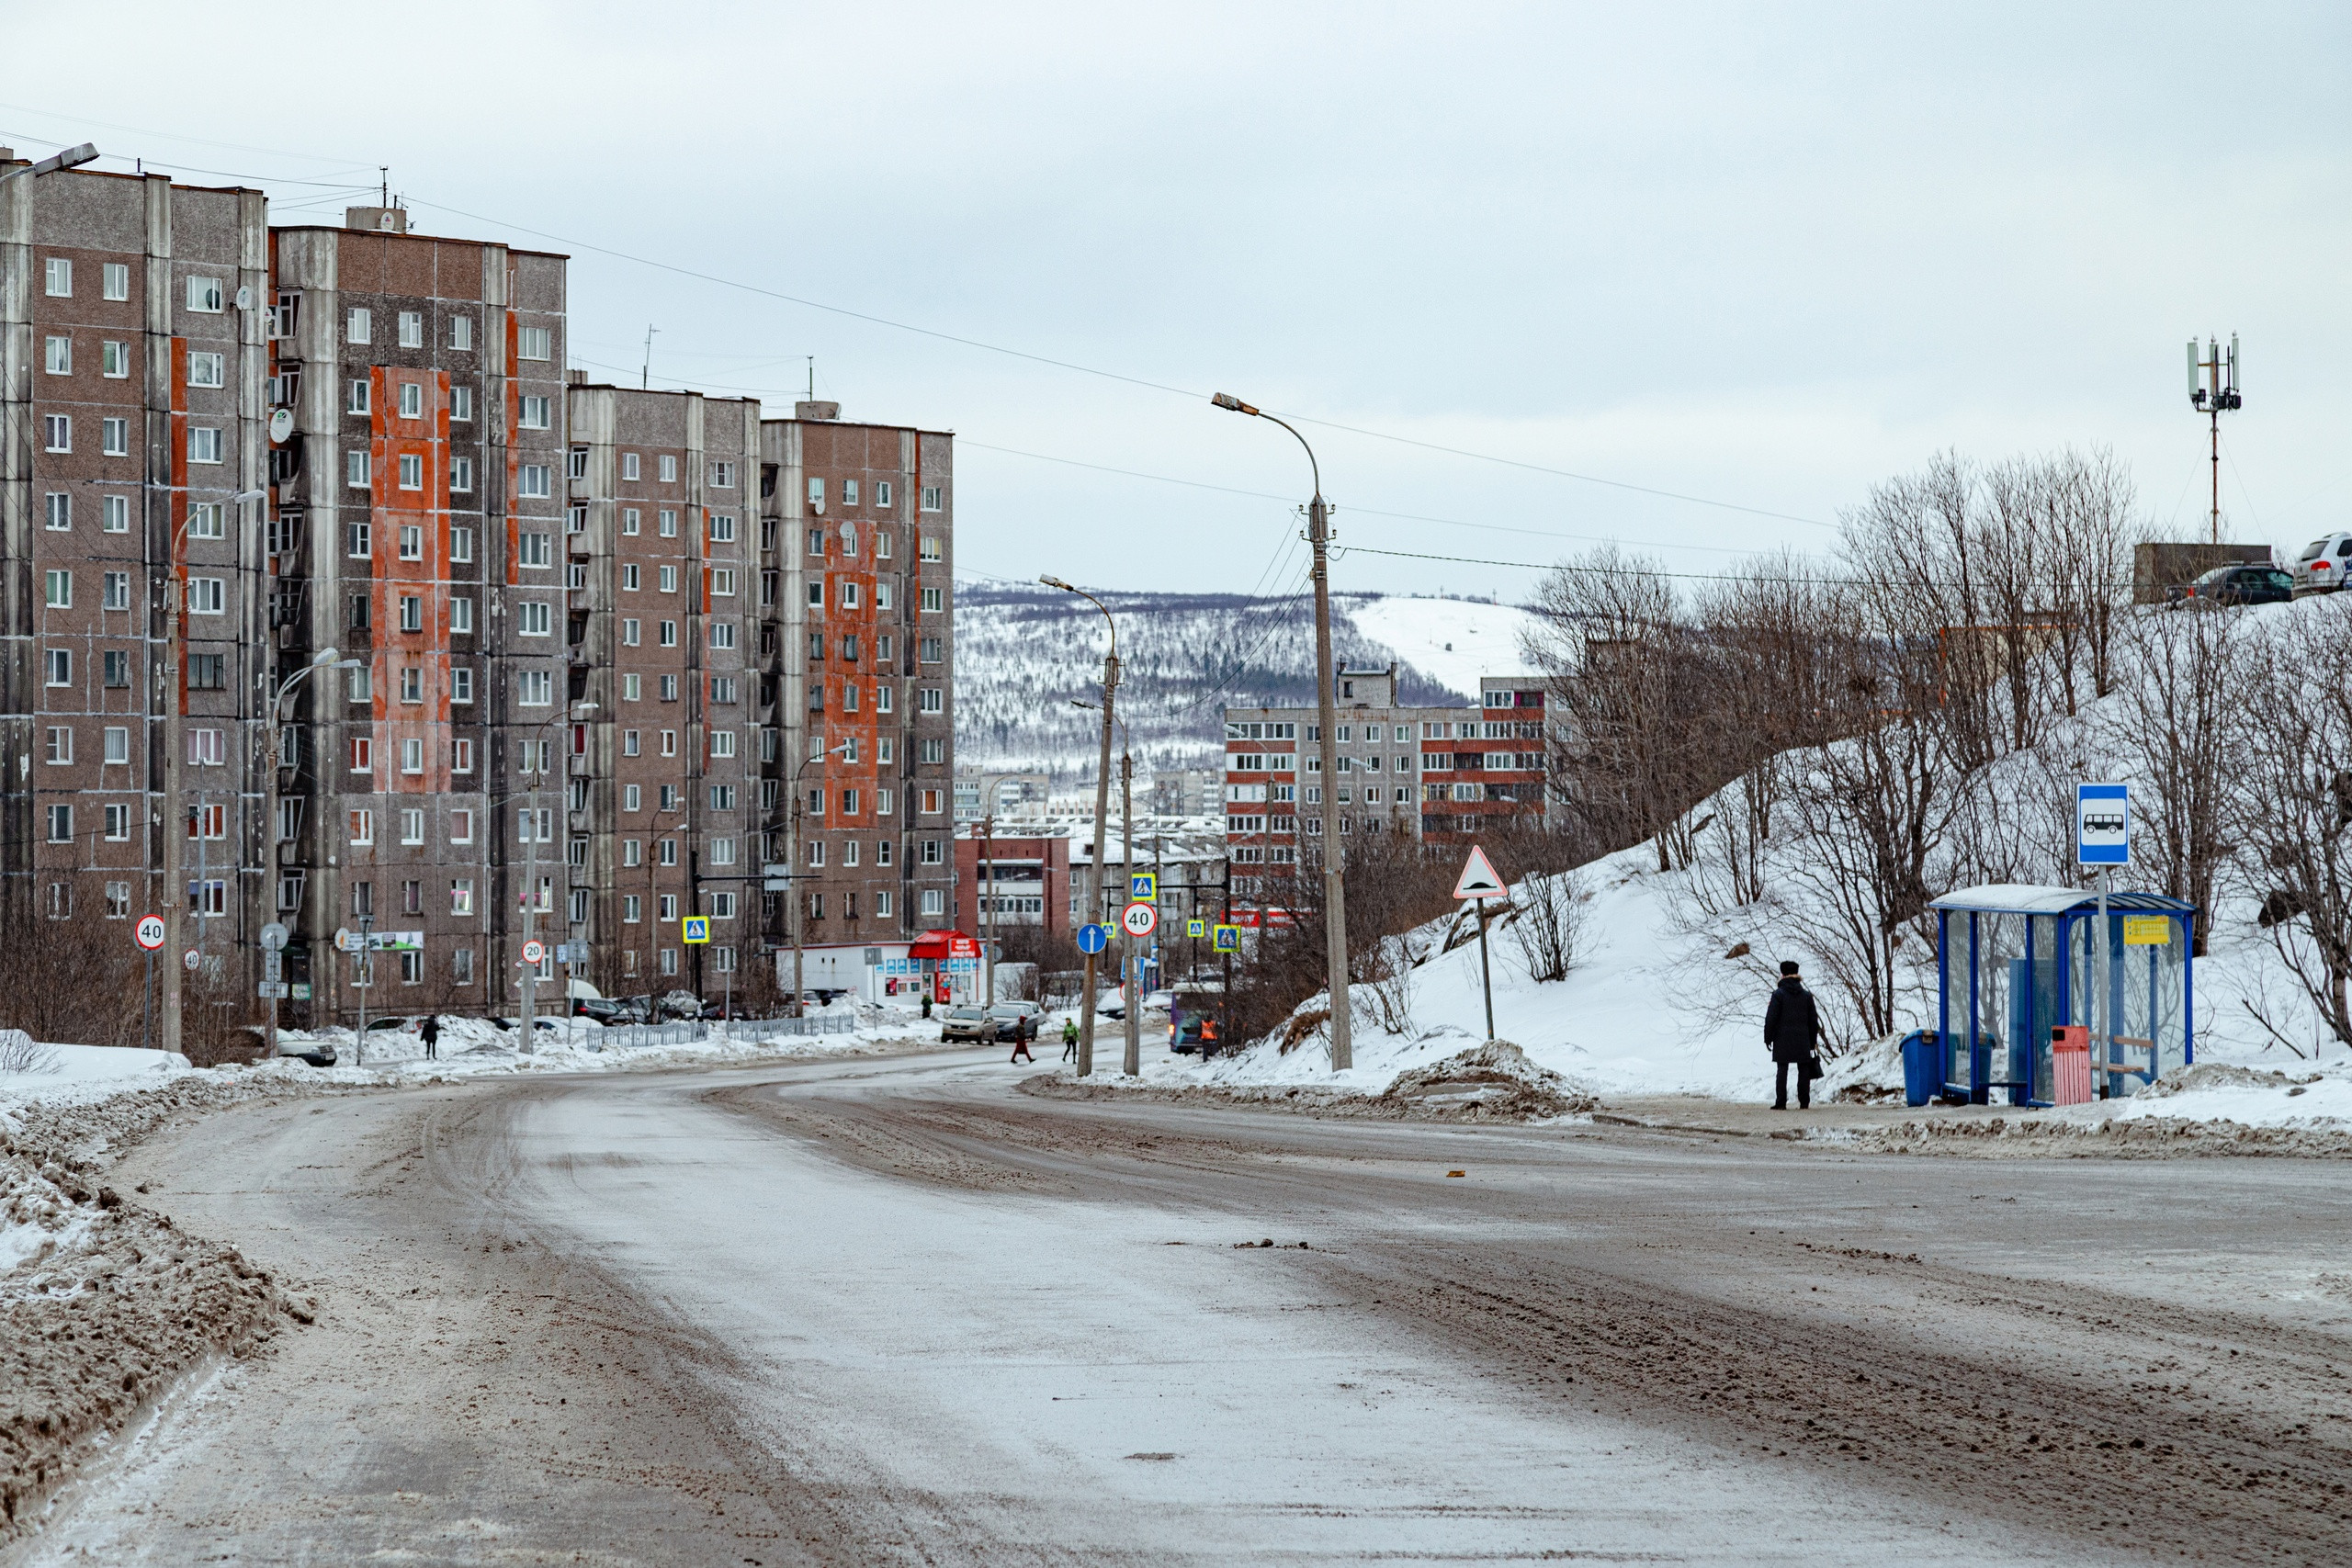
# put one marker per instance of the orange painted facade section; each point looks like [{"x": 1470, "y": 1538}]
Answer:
[{"x": 427, "y": 577}]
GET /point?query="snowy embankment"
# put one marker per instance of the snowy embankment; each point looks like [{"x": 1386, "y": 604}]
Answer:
[
  {"x": 1672, "y": 968},
  {"x": 104, "y": 1305}
]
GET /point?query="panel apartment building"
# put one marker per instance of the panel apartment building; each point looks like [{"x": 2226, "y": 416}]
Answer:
[
  {"x": 1442, "y": 776},
  {"x": 570, "y": 676}
]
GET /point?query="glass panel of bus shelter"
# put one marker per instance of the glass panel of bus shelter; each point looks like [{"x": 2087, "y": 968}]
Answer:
[
  {"x": 2045, "y": 1006},
  {"x": 2170, "y": 984},
  {"x": 1999, "y": 976},
  {"x": 1955, "y": 1025}
]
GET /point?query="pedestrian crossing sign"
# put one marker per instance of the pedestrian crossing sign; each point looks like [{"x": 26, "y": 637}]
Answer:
[
  {"x": 1228, "y": 939},
  {"x": 1196, "y": 929},
  {"x": 1143, "y": 886},
  {"x": 694, "y": 928}
]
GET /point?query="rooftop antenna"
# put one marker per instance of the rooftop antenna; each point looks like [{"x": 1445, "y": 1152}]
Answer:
[
  {"x": 384, "y": 185},
  {"x": 812, "y": 377},
  {"x": 645, "y": 376},
  {"x": 2217, "y": 389}
]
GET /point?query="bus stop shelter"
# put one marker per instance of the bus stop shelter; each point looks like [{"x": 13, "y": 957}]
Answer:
[{"x": 2014, "y": 962}]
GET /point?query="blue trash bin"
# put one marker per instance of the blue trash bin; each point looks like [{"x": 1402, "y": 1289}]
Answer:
[{"x": 1922, "y": 1066}]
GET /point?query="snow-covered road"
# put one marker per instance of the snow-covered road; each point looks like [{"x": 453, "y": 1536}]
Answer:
[{"x": 867, "y": 1311}]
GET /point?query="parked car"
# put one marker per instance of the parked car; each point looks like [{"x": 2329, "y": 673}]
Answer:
[
  {"x": 2323, "y": 565},
  {"x": 972, "y": 1024},
  {"x": 539, "y": 1020},
  {"x": 1010, "y": 1017},
  {"x": 606, "y": 1011},
  {"x": 2257, "y": 584}
]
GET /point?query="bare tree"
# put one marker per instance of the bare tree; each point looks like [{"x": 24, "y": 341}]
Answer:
[
  {"x": 1547, "y": 924},
  {"x": 2187, "y": 716},
  {"x": 2295, "y": 807}
]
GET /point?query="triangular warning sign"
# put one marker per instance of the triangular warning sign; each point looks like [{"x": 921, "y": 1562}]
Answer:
[{"x": 1478, "y": 879}]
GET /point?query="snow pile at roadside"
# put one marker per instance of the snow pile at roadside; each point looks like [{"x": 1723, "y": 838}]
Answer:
[
  {"x": 102, "y": 1303},
  {"x": 2319, "y": 1098},
  {"x": 474, "y": 1047}
]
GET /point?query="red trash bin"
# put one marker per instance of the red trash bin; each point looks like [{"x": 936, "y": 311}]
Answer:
[{"x": 2070, "y": 1058}]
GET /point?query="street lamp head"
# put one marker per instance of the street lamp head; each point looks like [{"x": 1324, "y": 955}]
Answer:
[
  {"x": 326, "y": 655},
  {"x": 243, "y": 496},
  {"x": 1227, "y": 401},
  {"x": 1051, "y": 582},
  {"x": 348, "y": 664},
  {"x": 1090, "y": 707},
  {"x": 72, "y": 158}
]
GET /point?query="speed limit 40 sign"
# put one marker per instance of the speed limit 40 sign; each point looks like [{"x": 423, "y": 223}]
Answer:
[
  {"x": 1140, "y": 920},
  {"x": 150, "y": 932}
]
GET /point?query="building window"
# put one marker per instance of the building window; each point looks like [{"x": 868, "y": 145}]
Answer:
[
  {"x": 461, "y": 690},
  {"x": 461, "y": 547},
  {"x": 412, "y": 399},
  {"x": 666, "y": 522},
  {"x": 205, "y": 520},
  {"x": 412, "y": 329},
  {"x": 113, "y": 440},
  {"x": 204, "y": 295},
  {"x": 534, "y": 416},
  {"x": 363, "y": 833},
  {"x": 933, "y": 601},
  {"x": 56, "y": 433},
  {"x": 533, "y": 342},
  {"x": 722, "y": 476},
  {"x": 934, "y": 499},
  {"x": 58, "y": 356},
  {"x": 723, "y": 529},
  {"x": 411, "y": 471},
  {"x": 206, "y": 370},
  {"x": 721, "y": 634},
  {"x": 60, "y": 744},
  {"x": 535, "y": 689},
  {"x": 206, "y": 596},
  {"x": 461, "y": 475},
  {"x": 537, "y": 481},
  {"x": 666, "y": 633},
  {"x": 57, "y": 510},
  {"x": 114, "y": 360},
  {"x": 114, "y": 280},
  {"x": 358, "y": 325},
  {"x": 207, "y": 673},
  {"x": 115, "y": 518},
  {"x": 931, "y": 699},
  {"x": 412, "y": 691},
  {"x": 935, "y": 901},
  {"x": 59, "y": 587},
  {"x": 355, "y": 472},
  {"x": 536, "y": 549},
  {"x": 461, "y": 405},
  {"x": 57, "y": 277}
]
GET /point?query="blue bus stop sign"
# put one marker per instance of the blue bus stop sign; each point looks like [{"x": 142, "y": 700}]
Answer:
[
  {"x": 1092, "y": 939},
  {"x": 2102, "y": 823}
]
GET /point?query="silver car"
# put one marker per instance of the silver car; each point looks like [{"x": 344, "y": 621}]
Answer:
[{"x": 2323, "y": 565}]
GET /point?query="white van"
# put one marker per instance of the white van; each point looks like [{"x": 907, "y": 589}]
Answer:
[{"x": 2323, "y": 565}]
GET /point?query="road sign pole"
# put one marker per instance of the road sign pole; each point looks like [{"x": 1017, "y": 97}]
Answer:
[
  {"x": 147, "y": 1021},
  {"x": 2106, "y": 993},
  {"x": 1486, "y": 981}
]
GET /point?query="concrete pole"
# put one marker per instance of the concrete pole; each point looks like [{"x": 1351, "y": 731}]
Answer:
[
  {"x": 1131, "y": 1063},
  {"x": 530, "y": 904},
  {"x": 174, "y": 809},
  {"x": 1335, "y": 891},
  {"x": 988, "y": 905},
  {"x": 1094, "y": 902}
]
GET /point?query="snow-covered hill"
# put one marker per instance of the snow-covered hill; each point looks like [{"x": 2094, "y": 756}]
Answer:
[{"x": 1024, "y": 654}]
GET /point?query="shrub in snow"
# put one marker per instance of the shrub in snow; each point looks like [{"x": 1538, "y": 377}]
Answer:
[
  {"x": 20, "y": 1052},
  {"x": 1548, "y": 926}
]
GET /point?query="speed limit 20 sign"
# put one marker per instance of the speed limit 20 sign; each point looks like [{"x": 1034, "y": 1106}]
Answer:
[{"x": 150, "y": 932}]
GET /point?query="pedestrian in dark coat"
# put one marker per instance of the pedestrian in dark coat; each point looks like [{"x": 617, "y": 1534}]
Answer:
[
  {"x": 1025, "y": 1030},
  {"x": 430, "y": 1032},
  {"x": 1792, "y": 1029}
]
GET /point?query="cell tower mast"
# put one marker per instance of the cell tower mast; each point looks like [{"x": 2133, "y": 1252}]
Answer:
[{"x": 2212, "y": 387}]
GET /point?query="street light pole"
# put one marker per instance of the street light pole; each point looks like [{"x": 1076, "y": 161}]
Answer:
[
  {"x": 792, "y": 875},
  {"x": 1131, "y": 1061},
  {"x": 1335, "y": 891},
  {"x": 989, "y": 784},
  {"x": 531, "y": 869},
  {"x": 1102, "y": 811},
  {"x": 326, "y": 659}
]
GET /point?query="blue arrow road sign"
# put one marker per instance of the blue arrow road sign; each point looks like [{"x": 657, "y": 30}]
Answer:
[{"x": 1092, "y": 939}]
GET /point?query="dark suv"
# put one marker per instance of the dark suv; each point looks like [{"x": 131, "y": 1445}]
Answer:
[{"x": 2241, "y": 585}]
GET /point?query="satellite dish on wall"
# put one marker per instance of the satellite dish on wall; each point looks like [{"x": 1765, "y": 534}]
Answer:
[
  {"x": 245, "y": 298},
  {"x": 281, "y": 425}
]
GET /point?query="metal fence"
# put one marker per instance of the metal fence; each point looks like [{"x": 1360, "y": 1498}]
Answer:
[
  {"x": 740, "y": 1032},
  {"x": 758, "y": 1031},
  {"x": 629, "y": 1036}
]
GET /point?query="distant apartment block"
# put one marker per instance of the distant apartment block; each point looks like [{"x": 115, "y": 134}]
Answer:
[
  {"x": 618, "y": 657},
  {"x": 1438, "y": 774}
]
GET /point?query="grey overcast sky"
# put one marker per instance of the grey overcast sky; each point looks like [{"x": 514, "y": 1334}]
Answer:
[{"x": 1761, "y": 254}]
